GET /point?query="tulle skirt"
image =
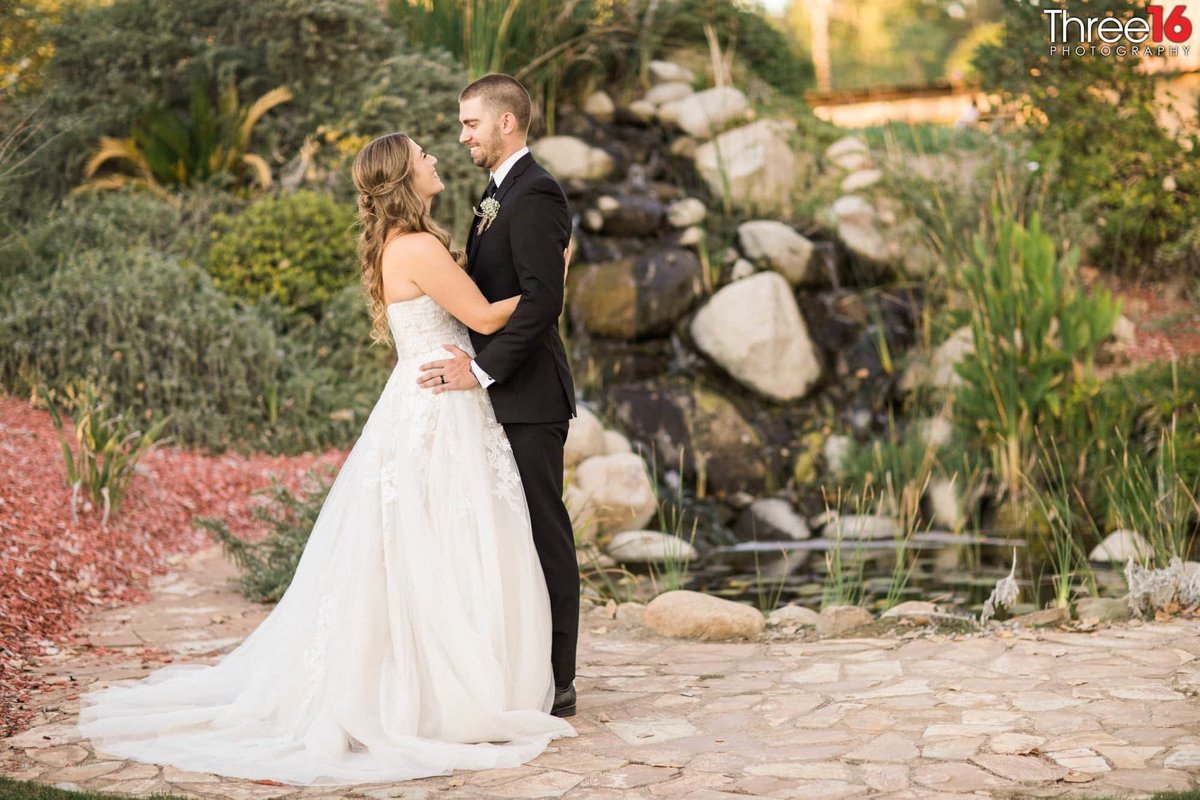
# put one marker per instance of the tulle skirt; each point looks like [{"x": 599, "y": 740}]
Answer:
[{"x": 414, "y": 639}]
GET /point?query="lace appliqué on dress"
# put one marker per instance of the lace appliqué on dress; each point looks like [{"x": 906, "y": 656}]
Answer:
[
  {"x": 387, "y": 491},
  {"x": 314, "y": 656},
  {"x": 504, "y": 467}
]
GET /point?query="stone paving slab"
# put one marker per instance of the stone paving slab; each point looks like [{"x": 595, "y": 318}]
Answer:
[{"x": 1112, "y": 712}]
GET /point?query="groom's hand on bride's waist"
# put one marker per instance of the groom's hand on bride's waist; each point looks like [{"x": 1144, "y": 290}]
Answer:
[{"x": 448, "y": 374}]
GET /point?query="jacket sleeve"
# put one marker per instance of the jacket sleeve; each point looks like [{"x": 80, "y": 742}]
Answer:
[{"x": 540, "y": 233}]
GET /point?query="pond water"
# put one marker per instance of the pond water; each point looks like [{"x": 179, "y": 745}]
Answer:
[{"x": 956, "y": 571}]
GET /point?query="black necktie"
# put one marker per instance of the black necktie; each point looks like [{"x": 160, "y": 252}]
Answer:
[{"x": 490, "y": 191}]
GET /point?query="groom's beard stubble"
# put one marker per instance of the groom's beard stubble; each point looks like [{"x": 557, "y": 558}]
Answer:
[{"x": 490, "y": 152}]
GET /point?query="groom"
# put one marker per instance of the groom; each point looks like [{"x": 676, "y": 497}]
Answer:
[{"x": 515, "y": 246}]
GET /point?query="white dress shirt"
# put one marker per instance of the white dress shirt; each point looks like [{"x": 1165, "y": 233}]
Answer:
[{"x": 497, "y": 177}]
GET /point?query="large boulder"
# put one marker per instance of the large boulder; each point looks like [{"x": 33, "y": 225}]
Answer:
[
  {"x": 705, "y": 113},
  {"x": 670, "y": 72},
  {"x": 642, "y": 110},
  {"x": 615, "y": 442},
  {"x": 741, "y": 269},
  {"x": 755, "y": 163},
  {"x": 1120, "y": 546},
  {"x": 698, "y": 428},
  {"x": 569, "y": 158},
  {"x": 649, "y": 547},
  {"x": 753, "y": 329},
  {"x": 850, "y": 153},
  {"x": 692, "y": 615},
  {"x": 585, "y": 438},
  {"x": 919, "y": 612},
  {"x": 792, "y": 618},
  {"x": 1103, "y": 609},
  {"x": 583, "y": 522},
  {"x": 939, "y": 372},
  {"x": 631, "y": 215},
  {"x": 636, "y": 297},
  {"x": 836, "y": 620},
  {"x": 861, "y": 230},
  {"x": 779, "y": 247},
  {"x": 615, "y": 492},
  {"x": 771, "y": 519},
  {"x": 600, "y": 106},
  {"x": 862, "y": 179},
  {"x": 730, "y": 448},
  {"x": 671, "y": 92},
  {"x": 860, "y": 526},
  {"x": 686, "y": 212}
]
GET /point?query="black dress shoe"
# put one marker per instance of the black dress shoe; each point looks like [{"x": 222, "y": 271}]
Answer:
[{"x": 564, "y": 701}]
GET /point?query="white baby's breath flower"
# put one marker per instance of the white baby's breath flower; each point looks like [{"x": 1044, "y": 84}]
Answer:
[{"x": 487, "y": 212}]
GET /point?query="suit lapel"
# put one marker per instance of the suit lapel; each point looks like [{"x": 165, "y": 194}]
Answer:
[
  {"x": 471, "y": 237},
  {"x": 514, "y": 175},
  {"x": 510, "y": 180}
]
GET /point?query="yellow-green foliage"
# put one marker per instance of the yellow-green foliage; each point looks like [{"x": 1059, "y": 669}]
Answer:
[{"x": 297, "y": 249}]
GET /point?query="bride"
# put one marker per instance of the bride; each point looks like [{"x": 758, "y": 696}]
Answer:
[{"x": 414, "y": 638}]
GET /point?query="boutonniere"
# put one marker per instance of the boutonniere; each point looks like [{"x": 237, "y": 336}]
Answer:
[{"x": 487, "y": 212}]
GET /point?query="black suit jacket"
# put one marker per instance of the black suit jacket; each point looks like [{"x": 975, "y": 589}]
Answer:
[{"x": 521, "y": 253}]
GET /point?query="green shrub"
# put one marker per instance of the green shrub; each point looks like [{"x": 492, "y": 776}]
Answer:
[
  {"x": 158, "y": 338},
  {"x": 1105, "y": 421},
  {"x": 268, "y": 565},
  {"x": 113, "y": 61},
  {"x": 297, "y": 249},
  {"x": 762, "y": 46},
  {"x": 1181, "y": 256},
  {"x": 153, "y": 334},
  {"x": 332, "y": 376},
  {"x": 115, "y": 221},
  {"x": 1095, "y": 116},
  {"x": 1140, "y": 405},
  {"x": 1153, "y": 496},
  {"x": 969, "y": 191}
]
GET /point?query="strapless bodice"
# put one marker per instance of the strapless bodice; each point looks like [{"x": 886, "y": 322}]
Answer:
[{"x": 420, "y": 326}]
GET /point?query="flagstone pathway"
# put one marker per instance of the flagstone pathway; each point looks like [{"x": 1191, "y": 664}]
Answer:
[{"x": 1110, "y": 713}]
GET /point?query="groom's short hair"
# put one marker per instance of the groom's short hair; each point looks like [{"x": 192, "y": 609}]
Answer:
[{"x": 502, "y": 93}]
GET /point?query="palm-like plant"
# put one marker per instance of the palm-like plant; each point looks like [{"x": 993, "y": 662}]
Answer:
[
  {"x": 108, "y": 446},
  {"x": 168, "y": 148}
]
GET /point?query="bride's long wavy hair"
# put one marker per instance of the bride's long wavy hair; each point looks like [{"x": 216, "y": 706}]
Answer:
[{"x": 388, "y": 204}]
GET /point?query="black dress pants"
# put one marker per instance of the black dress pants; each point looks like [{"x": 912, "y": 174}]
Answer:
[{"x": 538, "y": 450}]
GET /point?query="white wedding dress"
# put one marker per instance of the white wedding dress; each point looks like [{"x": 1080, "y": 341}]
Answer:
[{"x": 414, "y": 638}]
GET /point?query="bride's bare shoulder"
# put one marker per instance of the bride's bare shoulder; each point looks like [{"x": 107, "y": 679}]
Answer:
[{"x": 412, "y": 244}]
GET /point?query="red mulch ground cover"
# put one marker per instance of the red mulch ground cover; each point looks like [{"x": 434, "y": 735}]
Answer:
[
  {"x": 52, "y": 571},
  {"x": 1166, "y": 315}
]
